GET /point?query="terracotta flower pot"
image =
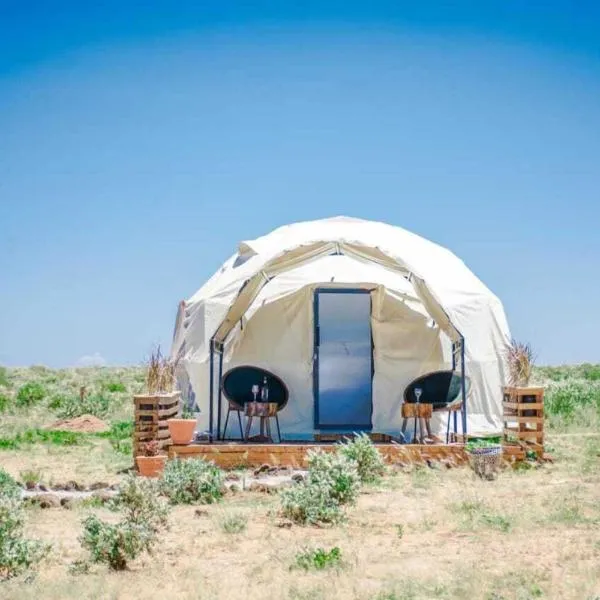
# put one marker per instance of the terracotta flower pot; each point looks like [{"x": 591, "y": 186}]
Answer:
[
  {"x": 151, "y": 466},
  {"x": 181, "y": 430}
]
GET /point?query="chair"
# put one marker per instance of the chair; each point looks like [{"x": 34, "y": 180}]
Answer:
[
  {"x": 236, "y": 386},
  {"x": 234, "y": 407},
  {"x": 441, "y": 389}
]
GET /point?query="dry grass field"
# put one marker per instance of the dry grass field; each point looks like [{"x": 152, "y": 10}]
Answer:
[{"x": 419, "y": 533}]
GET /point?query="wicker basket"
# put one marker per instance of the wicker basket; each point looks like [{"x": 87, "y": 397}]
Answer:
[{"x": 486, "y": 461}]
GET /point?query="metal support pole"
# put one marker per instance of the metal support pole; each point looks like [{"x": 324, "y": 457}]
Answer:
[
  {"x": 219, "y": 394},
  {"x": 210, "y": 403},
  {"x": 464, "y": 389}
]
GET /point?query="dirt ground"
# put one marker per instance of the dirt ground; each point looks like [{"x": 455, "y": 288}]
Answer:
[{"x": 422, "y": 534}]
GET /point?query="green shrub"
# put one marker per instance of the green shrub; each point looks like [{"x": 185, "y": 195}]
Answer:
[
  {"x": 115, "y": 544},
  {"x": 120, "y": 436},
  {"x": 30, "y": 393},
  {"x": 234, "y": 523},
  {"x": 144, "y": 515},
  {"x": 495, "y": 521},
  {"x": 56, "y": 401},
  {"x": 369, "y": 462},
  {"x": 46, "y": 436},
  {"x": 571, "y": 400},
  {"x": 336, "y": 472},
  {"x": 120, "y": 430},
  {"x": 139, "y": 498},
  {"x": 4, "y": 402},
  {"x": 309, "y": 503},
  {"x": 192, "y": 480},
  {"x": 319, "y": 559},
  {"x": 9, "y": 488},
  {"x": 591, "y": 372},
  {"x": 74, "y": 406},
  {"x": 115, "y": 386},
  {"x": 17, "y": 554},
  {"x": 4, "y": 381},
  {"x": 8, "y": 444},
  {"x": 124, "y": 447},
  {"x": 332, "y": 481}
]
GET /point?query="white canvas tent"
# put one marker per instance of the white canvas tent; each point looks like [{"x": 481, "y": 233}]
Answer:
[{"x": 427, "y": 308}]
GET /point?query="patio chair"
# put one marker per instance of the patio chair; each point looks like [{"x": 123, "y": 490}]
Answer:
[
  {"x": 441, "y": 389},
  {"x": 237, "y": 389}
]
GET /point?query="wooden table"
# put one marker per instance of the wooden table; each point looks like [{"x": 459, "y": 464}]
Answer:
[
  {"x": 421, "y": 413},
  {"x": 265, "y": 411}
]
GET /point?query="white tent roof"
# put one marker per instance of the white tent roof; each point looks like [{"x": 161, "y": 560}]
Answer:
[{"x": 429, "y": 278}]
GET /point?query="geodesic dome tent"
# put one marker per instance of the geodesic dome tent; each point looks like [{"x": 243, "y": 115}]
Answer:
[{"x": 347, "y": 313}]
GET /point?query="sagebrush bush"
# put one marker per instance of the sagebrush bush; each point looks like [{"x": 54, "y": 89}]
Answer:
[
  {"x": 4, "y": 402},
  {"x": 9, "y": 488},
  {"x": 362, "y": 451},
  {"x": 335, "y": 471},
  {"x": 144, "y": 515},
  {"x": 140, "y": 500},
  {"x": 192, "y": 480},
  {"x": 310, "y": 503},
  {"x": 74, "y": 406},
  {"x": 332, "y": 481},
  {"x": 234, "y": 523},
  {"x": 17, "y": 554},
  {"x": 115, "y": 544},
  {"x": 30, "y": 393}
]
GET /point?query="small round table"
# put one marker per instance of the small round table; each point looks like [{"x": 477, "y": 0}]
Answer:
[
  {"x": 421, "y": 413},
  {"x": 265, "y": 411}
]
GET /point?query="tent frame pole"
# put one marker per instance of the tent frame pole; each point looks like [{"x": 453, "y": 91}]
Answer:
[
  {"x": 219, "y": 394},
  {"x": 211, "y": 393},
  {"x": 464, "y": 388}
]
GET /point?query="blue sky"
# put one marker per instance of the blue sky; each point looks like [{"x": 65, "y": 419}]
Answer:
[{"x": 138, "y": 146}]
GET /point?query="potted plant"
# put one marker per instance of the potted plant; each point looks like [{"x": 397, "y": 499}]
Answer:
[
  {"x": 157, "y": 402},
  {"x": 520, "y": 359},
  {"x": 151, "y": 463},
  {"x": 182, "y": 429}
]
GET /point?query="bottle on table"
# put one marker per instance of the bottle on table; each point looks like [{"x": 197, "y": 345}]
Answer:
[{"x": 264, "y": 392}]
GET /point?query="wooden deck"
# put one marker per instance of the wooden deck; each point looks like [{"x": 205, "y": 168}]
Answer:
[{"x": 229, "y": 455}]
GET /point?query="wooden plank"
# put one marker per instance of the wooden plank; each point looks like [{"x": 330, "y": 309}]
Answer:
[
  {"x": 520, "y": 419},
  {"x": 525, "y": 435},
  {"x": 520, "y": 392},
  {"x": 520, "y": 406},
  {"x": 148, "y": 435},
  {"x": 229, "y": 455}
]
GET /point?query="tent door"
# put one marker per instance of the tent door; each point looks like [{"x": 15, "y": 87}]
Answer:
[{"x": 343, "y": 360}]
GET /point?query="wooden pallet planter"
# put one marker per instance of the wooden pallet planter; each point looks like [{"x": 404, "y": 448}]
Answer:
[
  {"x": 151, "y": 413},
  {"x": 524, "y": 418}
]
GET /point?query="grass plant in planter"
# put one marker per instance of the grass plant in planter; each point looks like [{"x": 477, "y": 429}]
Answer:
[
  {"x": 157, "y": 403},
  {"x": 520, "y": 361},
  {"x": 151, "y": 463}
]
